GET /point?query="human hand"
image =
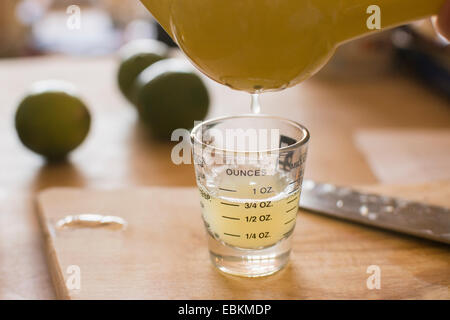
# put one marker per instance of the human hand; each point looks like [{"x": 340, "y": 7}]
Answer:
[{"x": 443, "y": 20}]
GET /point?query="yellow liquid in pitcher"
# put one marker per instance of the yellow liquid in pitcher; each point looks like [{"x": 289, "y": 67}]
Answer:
[
  {"x": 250, "y": 212},
  {"x": 260, "y": 45}
]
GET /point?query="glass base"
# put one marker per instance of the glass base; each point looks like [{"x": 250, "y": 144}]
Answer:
[{"x": 249, "y": 262}]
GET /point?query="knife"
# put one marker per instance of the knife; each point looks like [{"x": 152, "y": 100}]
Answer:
[{"x": 413, "y": 218}]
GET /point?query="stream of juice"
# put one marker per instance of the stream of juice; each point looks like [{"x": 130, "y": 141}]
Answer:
[{"x": 262, "y": 45}]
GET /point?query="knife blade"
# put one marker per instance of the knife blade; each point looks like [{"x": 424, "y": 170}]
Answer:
[{"x": 413, "y": 218}]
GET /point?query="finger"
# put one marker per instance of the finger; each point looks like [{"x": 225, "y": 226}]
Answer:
[{"x": 443, "y": 21}]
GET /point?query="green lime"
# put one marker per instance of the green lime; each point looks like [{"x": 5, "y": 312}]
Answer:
[
  {"x": 136, "y": 56},
  {"x": 51, "y": 120},
  {"x": 170, "y": 95}
]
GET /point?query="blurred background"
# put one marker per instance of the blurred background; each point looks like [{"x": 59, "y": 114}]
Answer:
[{"x": 37, "y": 27}]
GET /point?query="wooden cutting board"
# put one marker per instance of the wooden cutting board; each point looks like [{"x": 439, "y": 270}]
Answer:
[{"x": 162, "y": 254}]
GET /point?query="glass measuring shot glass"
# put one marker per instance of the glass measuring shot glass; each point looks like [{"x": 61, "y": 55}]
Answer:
[{"x": 249, "y": 172}]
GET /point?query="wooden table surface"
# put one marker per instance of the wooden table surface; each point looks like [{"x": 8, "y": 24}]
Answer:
[{"x": 118, "y": 154}]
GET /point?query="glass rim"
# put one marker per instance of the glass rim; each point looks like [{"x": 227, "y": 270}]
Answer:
[{"x": 298, "y": 144}]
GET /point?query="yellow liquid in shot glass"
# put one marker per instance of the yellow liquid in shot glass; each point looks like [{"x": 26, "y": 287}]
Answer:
[{"x": 250, "y": 212}]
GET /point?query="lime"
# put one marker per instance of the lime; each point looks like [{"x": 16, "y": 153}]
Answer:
[
  {"x": 51, "y": 120},
  {"x": 136, "y": 56},
  {"x": 170, "y": 95}
]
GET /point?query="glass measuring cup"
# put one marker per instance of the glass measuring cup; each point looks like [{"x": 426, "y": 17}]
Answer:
[{"x": 249, "y": 172}]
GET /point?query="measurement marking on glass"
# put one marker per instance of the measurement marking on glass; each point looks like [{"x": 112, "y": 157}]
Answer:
[
  {"x": 293, "y": 191},
  {"x": 295, "y": 181},
  {"x": 291, "y": 209},
  {"x": 289, "y": 221},
  {"x": 230, "y": 204},
  {"x": 229, "y": 190},
  {"x": 232, "y": 235},
  {"x": 287, "y": 233},
  {"x": 292, "y": 200},
  {"x": 231, "y": 218}
]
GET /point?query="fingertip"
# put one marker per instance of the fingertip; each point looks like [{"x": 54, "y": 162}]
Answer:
[{"x": 443, "y": 20}]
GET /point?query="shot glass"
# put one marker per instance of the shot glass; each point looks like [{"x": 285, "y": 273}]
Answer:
[{"x": 249, "y": 172}]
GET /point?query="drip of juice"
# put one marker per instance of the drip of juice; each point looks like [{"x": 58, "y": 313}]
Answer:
[
  {"x": 250, "y": 212},
  {"x": 262, "y": 45},
  {"x": 255, "y": 107}
]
